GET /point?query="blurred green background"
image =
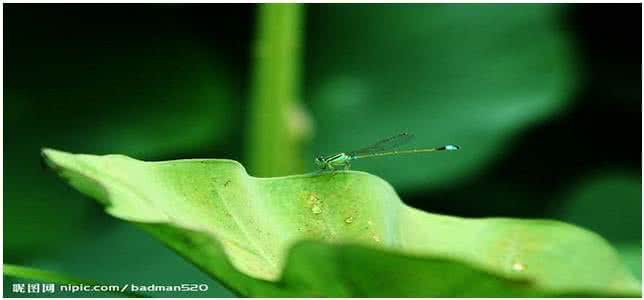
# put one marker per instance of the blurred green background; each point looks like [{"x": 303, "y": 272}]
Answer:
[{"x": 544, "y": 100}]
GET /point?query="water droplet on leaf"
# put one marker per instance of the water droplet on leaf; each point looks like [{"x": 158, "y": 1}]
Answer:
[
  {"x": 518, "y": 267},
  {"x": 315, "y": 204}
]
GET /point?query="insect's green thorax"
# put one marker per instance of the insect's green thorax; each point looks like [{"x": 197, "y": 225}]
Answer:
[
  {"x": 333, "y": 161},
  {"x": 337, "y": 159}
]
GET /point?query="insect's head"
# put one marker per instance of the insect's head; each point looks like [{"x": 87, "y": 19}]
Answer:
[{"x": 319, "y": 161}]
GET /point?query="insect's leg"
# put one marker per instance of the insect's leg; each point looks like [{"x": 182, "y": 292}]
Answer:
[
  {"x": 333, "y": 170},
  {"x": 322, "y": 169},
  {"x": 347, "y": 165},
  {"x": 319, "y": 171}
]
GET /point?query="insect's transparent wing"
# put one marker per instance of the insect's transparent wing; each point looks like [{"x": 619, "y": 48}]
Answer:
[{"x": 389, "y": 143}]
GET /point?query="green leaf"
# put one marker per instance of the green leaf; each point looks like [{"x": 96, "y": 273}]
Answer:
[
  {"x": 51, "y": 277},
  {"x": 472, "y": 75},
  {"x": 342, "y": 234},
  {"x": 122, "y": 244},
  {"x": 31, "y": 273},
  {"x": 632, "y": 255},
  {"x": 609, "y": 203},
  {"x": 92, "y": 96}
]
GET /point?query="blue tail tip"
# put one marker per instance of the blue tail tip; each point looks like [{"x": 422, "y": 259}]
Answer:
[{"x": 452, "y": 147}]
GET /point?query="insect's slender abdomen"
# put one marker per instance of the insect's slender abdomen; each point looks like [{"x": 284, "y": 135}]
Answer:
[
  {"x": 449, "y": 148},
  {"x": 394, "y": 152}
]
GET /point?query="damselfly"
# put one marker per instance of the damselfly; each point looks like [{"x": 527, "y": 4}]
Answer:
[{"x": 385, "y": 147}]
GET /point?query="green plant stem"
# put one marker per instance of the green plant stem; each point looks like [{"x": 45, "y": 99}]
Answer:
[{"x": 273, "y": 144}]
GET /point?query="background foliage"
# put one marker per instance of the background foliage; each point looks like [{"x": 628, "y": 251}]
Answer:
[{"x": 544, "y": 99}]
